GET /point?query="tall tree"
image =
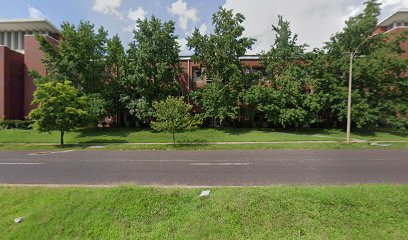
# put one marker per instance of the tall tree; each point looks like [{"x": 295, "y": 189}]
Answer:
[
  {"x": 79, "y": 56},
  {"x": 379, "y": 79},
  {"x": 60, "y": 108},
  {"x": 219, "y": 53},
  {"x": 288, "y": 96},
  {"x": 215, "y": 100},
  {"x": 115, "y": 61},
  {"x": 153, "y": 66}
]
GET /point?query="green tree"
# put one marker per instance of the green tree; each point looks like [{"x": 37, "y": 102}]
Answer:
[
  {"x": 173, "y": 115},
  {"x": 288, "y": 96},
  {"x": 153, "y": 66},
  {"x": 115, "y": 61},
  {"x": 79, "y": 56},
  {"x": 60, "y": 108},
  {"x": 214, "y": 99},
  {"x": 379, "y": 79},
  {"x": 219, "y": 53}
]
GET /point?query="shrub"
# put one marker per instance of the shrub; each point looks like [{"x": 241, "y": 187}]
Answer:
[{"x": 18, "y": 124}]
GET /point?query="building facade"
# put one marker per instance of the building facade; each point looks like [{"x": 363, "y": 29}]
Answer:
[{"x": 20, "y": 53}]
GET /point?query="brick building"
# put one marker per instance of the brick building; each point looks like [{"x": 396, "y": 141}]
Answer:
[{"x": 20, "y": 53}]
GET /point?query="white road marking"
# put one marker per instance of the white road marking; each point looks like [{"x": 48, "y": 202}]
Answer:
[
  {"x": 48, "y": 153},
  {"x": 21, "y": 163},
  {"x": 153, "y": 160},
  {"x": 220, "y": 164}
]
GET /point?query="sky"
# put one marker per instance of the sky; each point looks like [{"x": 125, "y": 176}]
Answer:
[{"x": 314, "y": 20}]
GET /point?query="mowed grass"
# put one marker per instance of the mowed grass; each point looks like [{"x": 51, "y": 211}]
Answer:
[
  {"x": 128, "y": 212},
  {"x": 129, "y": 135}
]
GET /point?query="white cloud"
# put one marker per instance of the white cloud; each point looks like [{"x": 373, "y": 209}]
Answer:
[
  {"x": 134, "y": 15},
  {"x": 35, "y": 13},
  {"x": 314, "y": 20},
  {"x": 139, "y": 13},
  {"x": 129, "y": 28},
  {"x": 203, "y": 28},
  {"x": 183, "y": 47},
  {"x": 108, "y": 7},
  {"x": 390, "y": 3},
  {"x": 179, "y": 8}
]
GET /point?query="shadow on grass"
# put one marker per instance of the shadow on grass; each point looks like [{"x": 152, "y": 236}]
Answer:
[
  {"x": 296, "y": 131},
  {"x": 194, "y": 141},
  {"x": 375, "y": 132},
  {"x": 100, "y": 132},
  {"x": 96, "y": 141}
]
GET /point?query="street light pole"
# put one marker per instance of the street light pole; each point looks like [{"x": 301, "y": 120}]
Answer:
[
  {"x": 349, "y": 97},
  {"x": 352, "y": 55}
]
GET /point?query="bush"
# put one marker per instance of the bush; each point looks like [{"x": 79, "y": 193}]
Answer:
[{"x": 18, "y": 124}]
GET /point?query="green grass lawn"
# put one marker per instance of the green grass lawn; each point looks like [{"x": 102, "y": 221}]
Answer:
[
  {"x": 128, "y": 135},
  {"x": 115, "y": 139},
  {"x": 339, "y": 212}
]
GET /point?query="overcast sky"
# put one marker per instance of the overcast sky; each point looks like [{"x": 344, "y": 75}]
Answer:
[{"x": 314, "y": 20}]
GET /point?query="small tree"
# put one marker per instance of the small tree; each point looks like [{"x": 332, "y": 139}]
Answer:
[
  {"x": 60, "y": 108},
  {"x": 173, "y": 115}
]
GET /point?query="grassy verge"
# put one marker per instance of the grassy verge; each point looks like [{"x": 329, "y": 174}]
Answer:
[
  {"x": 351, "y": 212},
  {"x": 127, "y": 139},
  {"x": 198, "y": 147},
  {"x": 124, "y": 135}
]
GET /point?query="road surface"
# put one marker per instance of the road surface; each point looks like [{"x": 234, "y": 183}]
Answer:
[{"x": 205, "y": 168}]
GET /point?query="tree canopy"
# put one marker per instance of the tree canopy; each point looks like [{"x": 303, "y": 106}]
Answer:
[
  {"x": 172, "y": 115},
  {"x": 60, "y": 108},
  {"x": 153, "y": 66}
]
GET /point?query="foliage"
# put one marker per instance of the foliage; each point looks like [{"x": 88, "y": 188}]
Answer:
[
  {"x": 219, "y": 53},
  {"x": 152, "y": 68},
  {"x": 96, "y": 107},
  {"x": 60, "y": 108},
  {"x": 172, "y": 115},
  {"x": 138, "y": 108},
  {"x": 79, "y": 56},
  {"x": 215, "y": 100},
  {"x": 115, "y": 61},
  {"x": 379, "y": 82},
  {"x": 287, "y": 97},
  {"x": 18, "y": 124}
]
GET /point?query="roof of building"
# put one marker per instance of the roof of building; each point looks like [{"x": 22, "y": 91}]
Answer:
[
  {"x": 28, "y": 25},
  {"x": 246, "y": 57},
  {"x": 400, "y": 15}
]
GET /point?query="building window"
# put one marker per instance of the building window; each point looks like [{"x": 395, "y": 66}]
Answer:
[
  {"x": 247, "y": 70},
  {"x": 2, "y": 38},
  {"x": 208, "y": 78},
  {"x": 197, "y": 74}
]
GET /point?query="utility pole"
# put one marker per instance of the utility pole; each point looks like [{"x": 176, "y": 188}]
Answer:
[{"x": 349, "y": 97}]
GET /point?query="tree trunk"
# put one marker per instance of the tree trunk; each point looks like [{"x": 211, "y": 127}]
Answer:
[
  {"x": 117, "y": 112},
  {"x": 174, "y": 138},
  {"x": 62, "y": 138}
]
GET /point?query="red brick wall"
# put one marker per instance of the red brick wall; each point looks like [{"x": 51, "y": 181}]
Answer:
[
  {"x": 2, "y": 85},
  {"x": 196, "y": 84},
  {"x": 404, "y": 45},
  {"x": 11, "y": 84},
  {"x": 32, "y": 61}
]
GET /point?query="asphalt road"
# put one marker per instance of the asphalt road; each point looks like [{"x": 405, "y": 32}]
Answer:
[{"x": 205, "y": 168}]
